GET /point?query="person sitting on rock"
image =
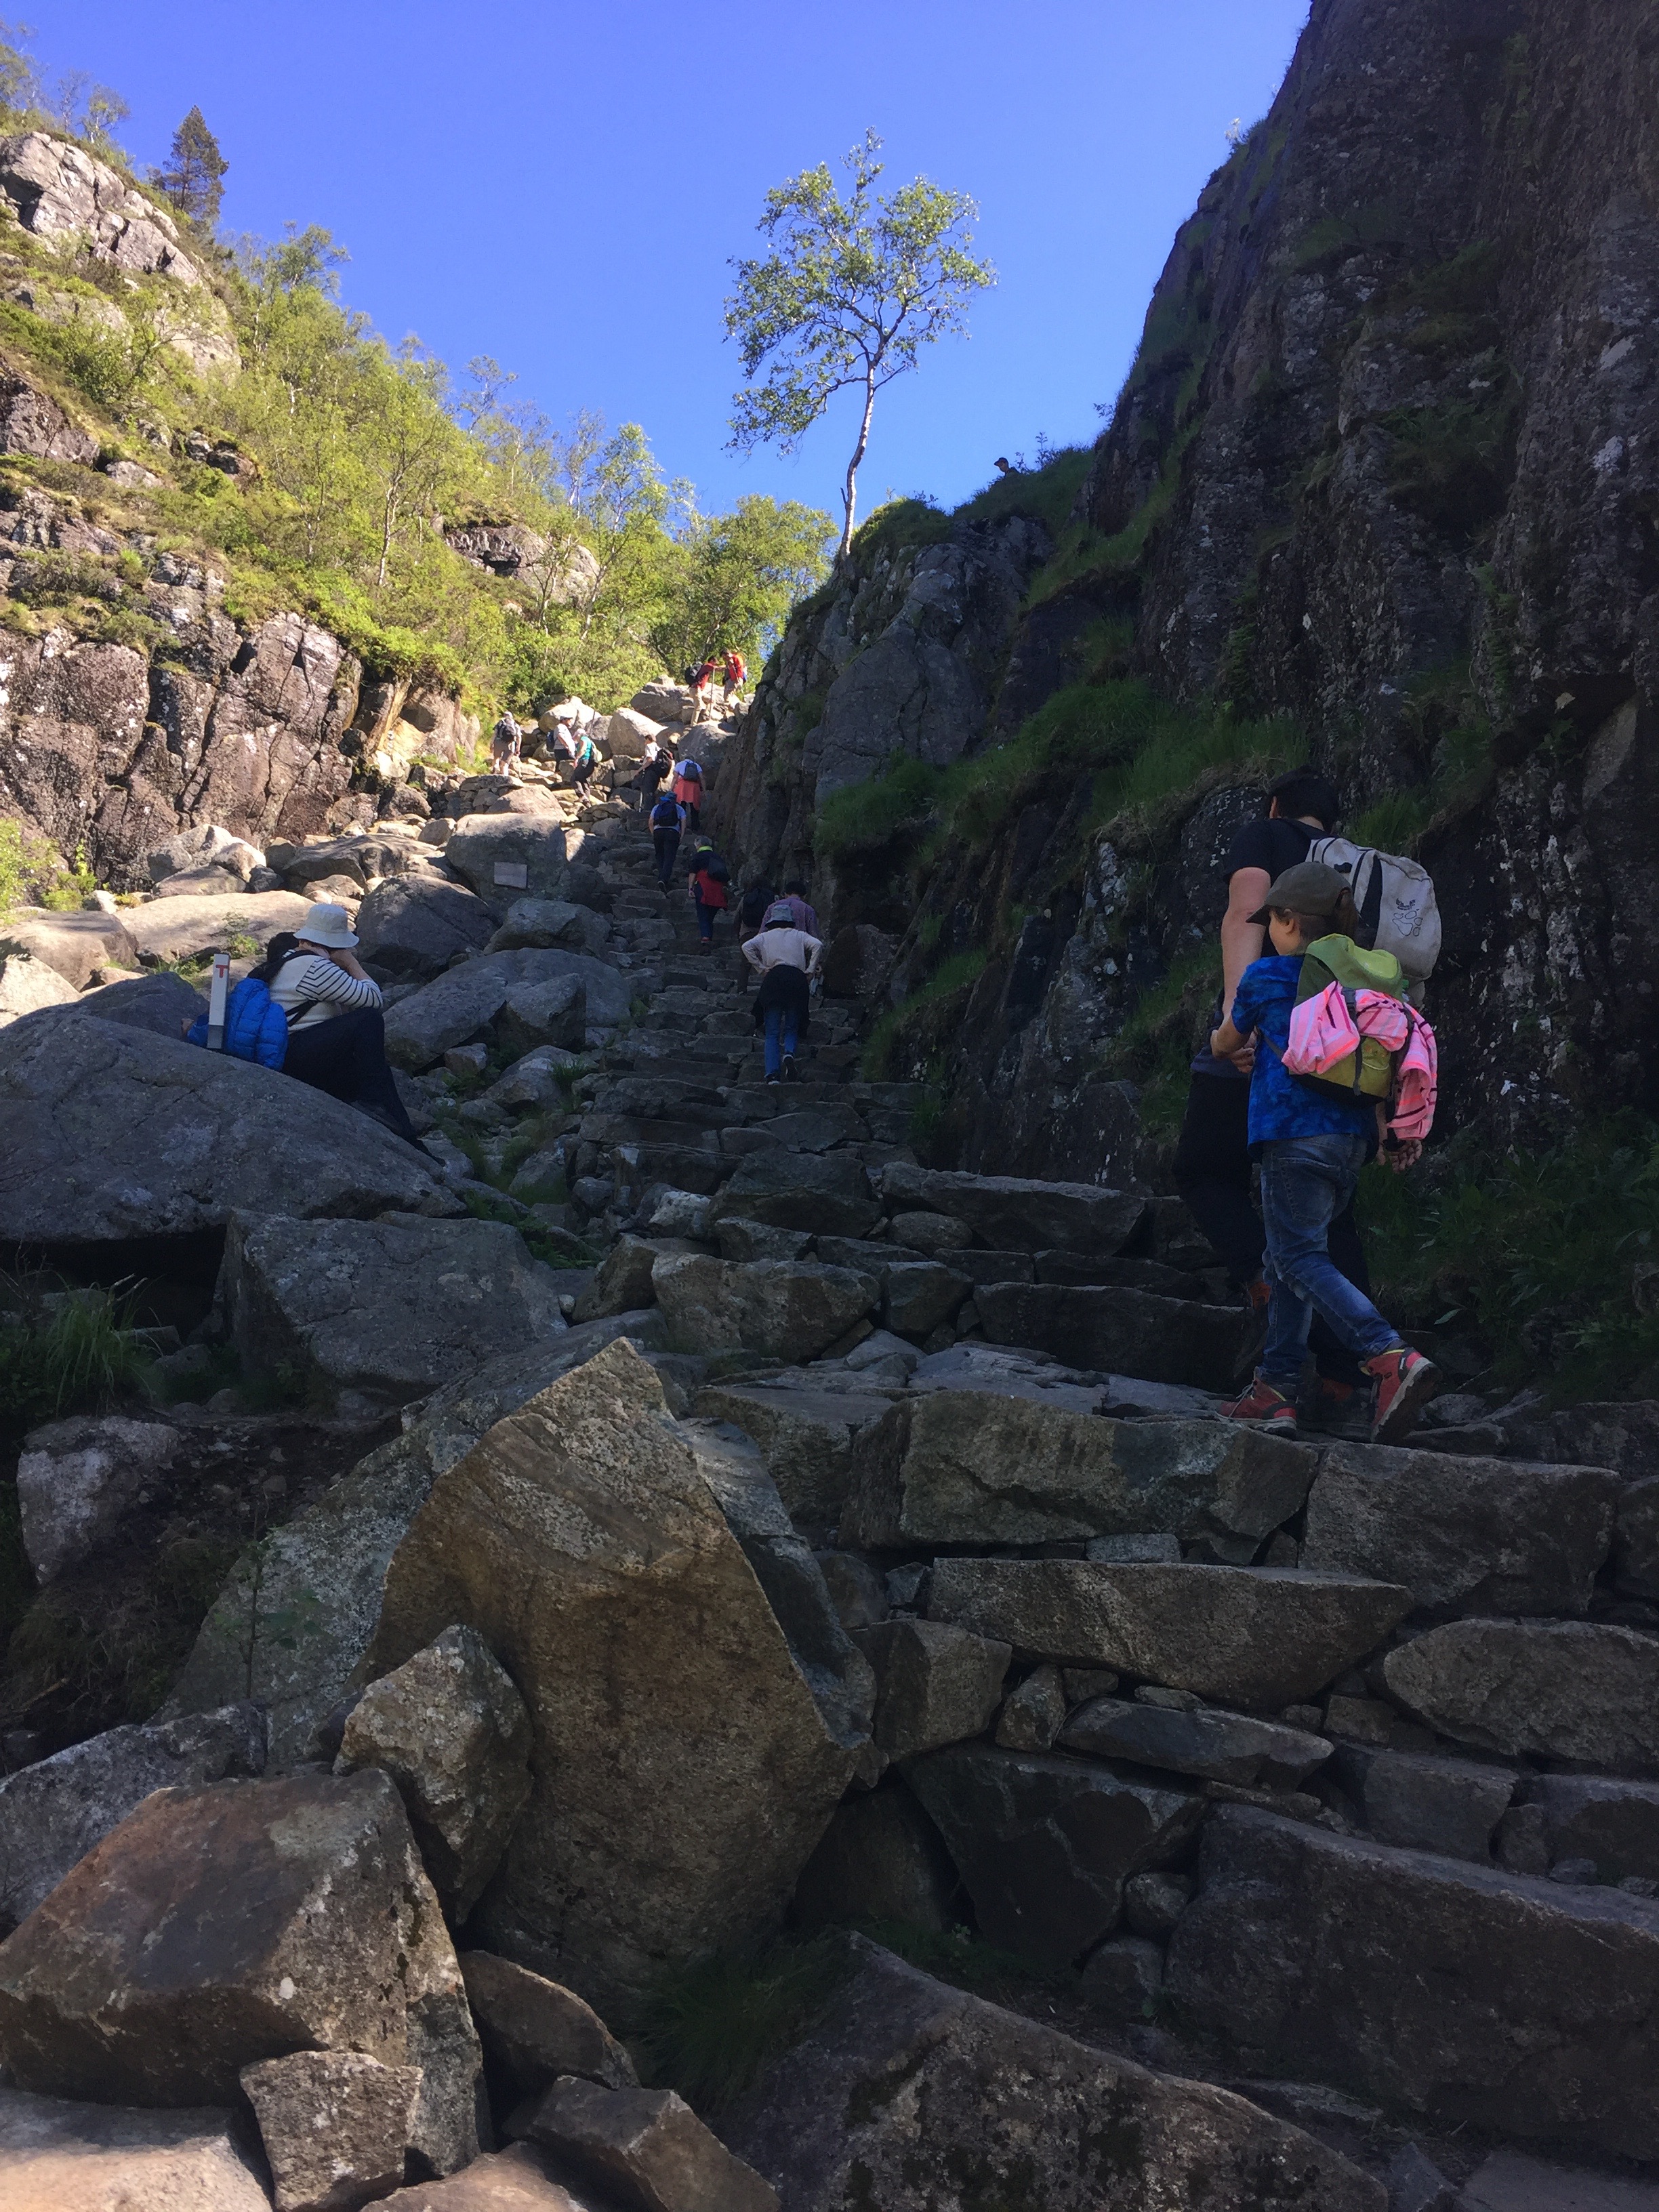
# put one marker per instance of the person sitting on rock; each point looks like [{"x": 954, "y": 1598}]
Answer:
[
  {"x": 786, "y": 959},
  {"x": 709, "y": 878},
  {"x": 336, "y": 1019}
]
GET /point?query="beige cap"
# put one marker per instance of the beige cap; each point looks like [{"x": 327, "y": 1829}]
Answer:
[{"x": 327, "y": 924}]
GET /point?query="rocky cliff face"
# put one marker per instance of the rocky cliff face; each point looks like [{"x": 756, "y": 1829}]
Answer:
[{"x": 1385, "y": 466}]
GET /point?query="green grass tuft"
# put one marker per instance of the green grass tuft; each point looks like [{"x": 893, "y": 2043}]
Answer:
[
  {"x": 1049, "y": 493},
  {"x": 79, "y": 1357},
  {"x": 710, "y": 2028}
]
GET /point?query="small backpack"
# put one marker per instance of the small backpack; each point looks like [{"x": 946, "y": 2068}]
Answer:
[
  {"x": 689, "y": 770},
  {"x": 256, "y": 1027},
  {"x": 716, "y": 870},
  {"x": 1398, "y": 910},
  {"x": 1369, "y": 1073},
  {"x": 666, "y": 814}
]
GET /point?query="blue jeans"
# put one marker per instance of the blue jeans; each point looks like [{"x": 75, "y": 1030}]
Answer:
[
  {"x": 782, "y": 1031},
  {"x": 706, "y": 921},
  {"x": 1306, "y": 1181}
]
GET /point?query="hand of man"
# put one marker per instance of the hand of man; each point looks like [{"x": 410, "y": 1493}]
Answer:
[{"x": 1405, "y": 1155}]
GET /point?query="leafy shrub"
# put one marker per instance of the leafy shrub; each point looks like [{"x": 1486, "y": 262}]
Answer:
[
  {"x": 1549, "y": 1259},
  {"x": 1048, "y": 492},
  {"x": 899, "y": 523},
  {"x": 78, "y": 1358}
]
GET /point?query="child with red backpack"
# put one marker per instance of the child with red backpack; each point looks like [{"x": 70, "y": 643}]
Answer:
[
  {"x": 709, "y": 878},
  {"x": 1321, "y": 1087}
]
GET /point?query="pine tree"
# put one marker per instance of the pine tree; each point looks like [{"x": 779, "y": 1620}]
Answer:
[{"x": 190, "y": 179}]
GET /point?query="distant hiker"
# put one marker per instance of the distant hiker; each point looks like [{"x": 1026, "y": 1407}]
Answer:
[
  {"x": 705, "y": 686},
  {"x": 667, "y": 821},
  {"x": 1312, "y": 1136},
  {"x": 506, "y": 742},
  {"x": 710, "y": 878},
  {"x": 733, "y": 672},
  {"x": 564, "y": 744},
  {"x": 336, "y": 1027},
  {"x": 654, "y": 764},
  {"x": 586, "y": 759},
  {"x": 1213, "y": 1164},
  {"x": 688, "y": 789},
  {"x": 786, "y": 958},
  {"x": 807, "y": 917}
]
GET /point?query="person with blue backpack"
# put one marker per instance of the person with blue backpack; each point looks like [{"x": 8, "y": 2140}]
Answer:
[
  {"x": 310, "y": 1011},
  {"x": 667, "y": 819}
]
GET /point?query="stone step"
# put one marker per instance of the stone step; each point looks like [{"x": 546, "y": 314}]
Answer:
[
  {"x": 1473, "y": 1996},
  {"x": 1129, "y": 1331},
  {"x": 1261, "y": 1637}
]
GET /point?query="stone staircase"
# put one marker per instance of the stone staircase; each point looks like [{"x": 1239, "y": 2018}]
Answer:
[{"x": 1330, "y": 1772}]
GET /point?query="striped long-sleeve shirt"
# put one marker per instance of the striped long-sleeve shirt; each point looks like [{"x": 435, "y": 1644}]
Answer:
[{"x": 310, "y": 976}]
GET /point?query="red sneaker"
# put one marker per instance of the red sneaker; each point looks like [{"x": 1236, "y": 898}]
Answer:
[
  {"x": 1268, "y": 1407},
  {"x": 1405, "y": 1383}
]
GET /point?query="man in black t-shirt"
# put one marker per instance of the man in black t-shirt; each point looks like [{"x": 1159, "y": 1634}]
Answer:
[{"x": 1212, "y": 1159}]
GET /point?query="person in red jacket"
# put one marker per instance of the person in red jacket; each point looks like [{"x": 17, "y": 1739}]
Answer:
[
  {"x": 709, "y": 878},
  {"x": 734, "y": 675},
  {"x": 705, "y": 687}
]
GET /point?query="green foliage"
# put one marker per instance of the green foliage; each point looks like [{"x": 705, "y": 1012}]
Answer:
[
  {"x": 26, "y": 862},
  {"x": 1549, "y": 1259},
  {"x": 192, "y": 179},
  {"x": 1452, "y": 463},
  {"x": 866, "y": 817},
  {"x": 1048, "y": 491},
  {"x": 1156, "y": 1044},
  {"x": 851, "y": 292},
  {"x": 899, "y": 523},
  {"x": 952, "y": 979},
  {"x": 732, "y": 580},
  {"x": 711, "y": 2029},
  {"x": 78, "y": 1357},
  {"x": 1334, "y": 237},
  {"x": 71, "y": 890}
]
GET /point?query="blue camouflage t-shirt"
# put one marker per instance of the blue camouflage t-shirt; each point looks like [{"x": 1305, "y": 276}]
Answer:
[{"x": 1279, "y": 1105}]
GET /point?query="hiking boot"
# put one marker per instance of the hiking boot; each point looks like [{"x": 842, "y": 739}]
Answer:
[
  {"x": 775, "y": 1079},
  {"x": 1268, "y": 1408},
  {"x": 789, "y": 1067},
  {"x": 1405, "y": 1383},
  {"x": 1337, "y": 1409},
  {"x": 1257, "y": 1295}
]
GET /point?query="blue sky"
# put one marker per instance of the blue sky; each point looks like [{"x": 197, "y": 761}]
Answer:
[{"x": 561, "y": 186}]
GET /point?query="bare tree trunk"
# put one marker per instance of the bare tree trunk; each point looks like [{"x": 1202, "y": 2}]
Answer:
[{"x": 849, "y": 489}]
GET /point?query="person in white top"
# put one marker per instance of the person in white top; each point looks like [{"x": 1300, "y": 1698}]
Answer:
[
  {"x": 336, "y": 1019},
  {"x": 786, "y": 959}
]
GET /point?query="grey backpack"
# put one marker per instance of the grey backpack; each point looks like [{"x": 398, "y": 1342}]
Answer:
[{"x": 1398, "y": 911}]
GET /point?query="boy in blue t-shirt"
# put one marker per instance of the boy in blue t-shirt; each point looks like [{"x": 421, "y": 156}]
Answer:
[{"x": 1311, "y": 1147}]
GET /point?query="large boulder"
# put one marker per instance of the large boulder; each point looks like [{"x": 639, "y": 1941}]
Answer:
[
  {"x": 1612, "y": 1822},
  {"x": 935, "y": 1684},
  {"x": 133, "y": 1982},
  {"x": 904, "y": 2078},
  {"x": 208, "y": 846},
  {"x": 1475, "y": 1997},
  {"x": 1262, "y": 1636},
  {"x": 335, "y": 2125},
  {"x": 108, "y": 1134},
  {"x": 27, "y": 984},
  {"x": 453, "y": 1733},
  {"x": 534, "y": 2031},
  {"x": 827, "y": 1195},
  {"x": 541, "y": 922},
  {"x": 683, "y": 1774},
  {"x": 1575, "y": 1690},
  {"x": 76, "y": 1479},
  {"x": 33, "y": 422},
  {"x": 52, "y": 1814},
  {"x": 70, "y": 944},
  {"x": 410, "y": 928},
  {"x": 60, "y": 2156},
  {"x": 162, "y": 1003},
  {"x": 167, "y": 929},
  {"x": 956, "y": 1467},
  {"x": 504, "y": 996},
  {"x": 293, "y": 1624},
  {"x": 504, "y": 856},
  {"x": 1127, "y": 1332},
  {"x": 1044, "y": 1844},
  {"x": 388, "y": 1309},
  {"x": 786, "y": 1309},
  {"x": 1012, "y": 1213},
  {"x": 629, "y": 731},
  {"x": 1464, "y": 1534}
]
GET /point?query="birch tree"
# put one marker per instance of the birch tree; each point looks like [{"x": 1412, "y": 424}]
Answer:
[{"x": 852, "y": 290}]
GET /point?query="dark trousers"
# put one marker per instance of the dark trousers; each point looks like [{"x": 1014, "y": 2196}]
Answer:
[
  {"x": 345, "y": 1056},
  {"x": 1213, "y": 1174},
  {"x": 667, "y": 842}
]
